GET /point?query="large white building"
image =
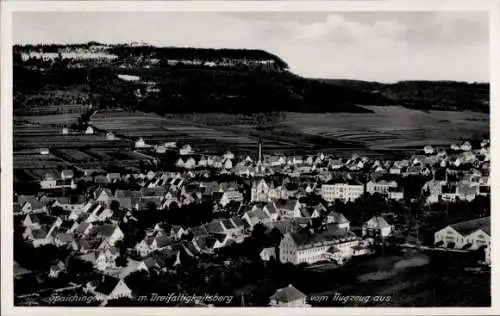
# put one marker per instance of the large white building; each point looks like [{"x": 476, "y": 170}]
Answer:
[
  {"x": 381, "y": 187},
  {"x": 341, "y": 190},
  {"x": 309, "y": 247},
  {"x": 470, "y": 235}
]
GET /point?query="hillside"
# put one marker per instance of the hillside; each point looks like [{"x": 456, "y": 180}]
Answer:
[{"x": 187, "y": 80}]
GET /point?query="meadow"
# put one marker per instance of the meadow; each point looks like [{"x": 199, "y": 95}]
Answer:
[{"x": 392, "y": 127}]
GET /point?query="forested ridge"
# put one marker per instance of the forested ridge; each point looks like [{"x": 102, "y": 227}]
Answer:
[{"x": 187, "y": 80}]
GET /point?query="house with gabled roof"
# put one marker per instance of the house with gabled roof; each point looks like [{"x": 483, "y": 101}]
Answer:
[
  {"x": 271, "y": 210},
  {"x": 33, "y": 205},
  {"x": 39, "y": 236},
  {"x": 56, "y": 269},
  {"x": 288, "y": 297},
  {"x": 255, "y": 217},
  {"x": 38, "y": 220},
  {"x": 108, "y": 288},
  {"x": 109, "y": 232},
  {"x": 204, "y": 244},
  {"x": 104, "y": 196},
  {"x": 101, "y": 258},
  {"x": 376, "y": 227},
  {"x": 338, "y": 219},
  {"x": 67, "y": 174},
  {"x": 62, "y": 239},
  {"x": 288, "y": 208},
  {"x": 153, "y": 243}
]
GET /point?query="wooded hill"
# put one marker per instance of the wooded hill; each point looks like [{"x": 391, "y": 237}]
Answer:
[
  {"x": 442, "y": 95},
  {"x": 191, "y": 80}
]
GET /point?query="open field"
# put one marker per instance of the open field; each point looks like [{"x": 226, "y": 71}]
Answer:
[
  {"x": 392, "y": 127},
  {"x": 53, "y": 119},
  {"x": 35, "y": 136},
  {"x": 410, "y": 279},
  {"x": 68, "y": 141},
  {"x": 155, "y": 129},
  {"x": 389, "y": 129},
  {"x": 37, "y": 161}
]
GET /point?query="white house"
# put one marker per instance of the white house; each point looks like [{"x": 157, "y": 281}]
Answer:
[
  {"x": 381, "y": 187},
  {"x": 44, "y": 151},
  {"x": 110, "y": 136},
  {"x": 376, "y": 227},
  {"x": 186, "y": 150},
  {"x": 230, "y": 195},
  {"x": 428, "y": 150},
  {"x": 487, "y": 254},
  {"x": 288, "y": 297},
  {"x": 346, "y": 190},
  {"x": 140, "y": 143},
  {"x": 267, "y": 253},
  {"x": 466, "y": 146},
  {"x": 89, "y": 130},
  {"x": 170, "y": 145}
]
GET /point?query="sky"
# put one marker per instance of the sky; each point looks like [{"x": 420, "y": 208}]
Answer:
[{"x": 377, "y": 46}]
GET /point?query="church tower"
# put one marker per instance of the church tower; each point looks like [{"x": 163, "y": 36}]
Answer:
[{"x": 260, "y": 160}]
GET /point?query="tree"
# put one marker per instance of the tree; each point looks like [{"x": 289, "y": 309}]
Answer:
[
  {"x": 115, "y": 205},
  {"x": 121, "y": 261},
  {"x": 259, "y": 233},
  {"x": 275, "y": 236}
]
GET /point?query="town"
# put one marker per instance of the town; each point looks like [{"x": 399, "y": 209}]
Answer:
[
  {"x": 148, "y": 176},
  {"x": 99, "y": 232}
]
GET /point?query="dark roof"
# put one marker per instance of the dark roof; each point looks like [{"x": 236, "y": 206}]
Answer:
[
  {"x": 338, "y": 218},
  {"x": 238, "y": 221},
  {"x": 331, "y": 235},
  {"x": 288, "y": 294},
  {"x": 199, "y": 231},
  {"x": 82, "y": 227},
  {"x": 162, "y": 241},
  {"x": 40, "y": 233},
  {"x": 288, "y": 204},
  {"x": 205, "y": 242},
  {"x": 468, "y": 227},
  {"x": 271, "y": 208},
  {"x": 104, "y": 230},
  {"x": 214, "y": 227},
  {"x": 42, "y": 219},
  {"x": 228, "y": 224}
]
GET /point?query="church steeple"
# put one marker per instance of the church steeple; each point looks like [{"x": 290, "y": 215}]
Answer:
[
  {"x": 259, "y": 158},
  {"x": 260, "y": 168}
]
